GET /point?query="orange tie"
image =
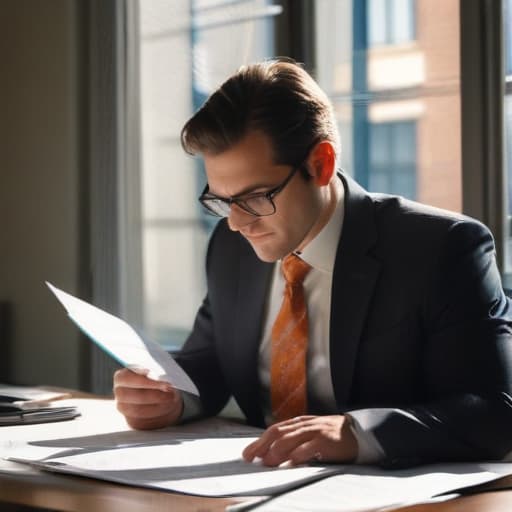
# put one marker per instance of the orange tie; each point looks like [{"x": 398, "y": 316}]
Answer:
[{"x": 289, "y": 345}]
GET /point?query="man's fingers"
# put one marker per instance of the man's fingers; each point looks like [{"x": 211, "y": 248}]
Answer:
[
  {"x": 306, "y": 452},
  {"x": 146, "y": 403},
  {"x": 152, "y": 421},
  {"x": 260, "y": 447},
  {"x": 143, "y": 396},
  {"x": 281, "y": 449},
  {"x": 297, "y": 419},
  {"x": 279, "y": 438},
  {"x": 144, "y": 411},
  {"x": 163, "y": 412},
  {"x": 127, "y": 379},
  {"x": 304, "y": 439}
]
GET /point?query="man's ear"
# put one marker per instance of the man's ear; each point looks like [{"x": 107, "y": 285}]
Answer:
[{"x": 322, "y": 162}]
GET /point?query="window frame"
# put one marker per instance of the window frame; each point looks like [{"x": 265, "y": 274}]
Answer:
[
  {"x": 114, "y": 280},
  {"x": 484, "y": 194}
]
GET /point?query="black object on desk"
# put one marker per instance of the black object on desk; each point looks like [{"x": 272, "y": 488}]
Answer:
[{"x": 22, "y": 406}]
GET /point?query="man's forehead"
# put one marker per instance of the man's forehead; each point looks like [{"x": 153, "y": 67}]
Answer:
[
  {"x": 239, "y": 180},
  {"x": 253, "y": 148}
]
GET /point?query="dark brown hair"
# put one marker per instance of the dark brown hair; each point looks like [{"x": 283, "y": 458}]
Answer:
[{"x": 276, "y": 97}]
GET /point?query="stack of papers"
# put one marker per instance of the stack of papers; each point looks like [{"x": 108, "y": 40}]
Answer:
[{"x": 24, "y": 405}]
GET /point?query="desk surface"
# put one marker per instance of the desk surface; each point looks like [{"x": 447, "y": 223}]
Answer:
[
  {"x": 76, "y": 494},
  {"x": 65, "y": 493}
]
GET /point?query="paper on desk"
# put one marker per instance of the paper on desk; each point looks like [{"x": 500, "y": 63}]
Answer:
[
  {"x": 365, "y": 488},
  {"x": 203, "y": 466},
  {"x": 203, "y": 458},
  {"x": 121, "y": 342}
]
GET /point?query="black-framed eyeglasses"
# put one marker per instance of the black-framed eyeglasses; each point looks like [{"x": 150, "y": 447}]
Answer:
[{"x": 259, "y": 204}]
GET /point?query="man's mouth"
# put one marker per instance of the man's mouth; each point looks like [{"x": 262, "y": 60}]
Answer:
[{"x": 255, "y": 236}]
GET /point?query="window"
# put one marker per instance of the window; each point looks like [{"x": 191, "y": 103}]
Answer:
[
  {"x": 390, "y": 67},
  {"x": 393, "y": 158},
  {"x": 187, "y": 49},
  {"x": 391, "y": 22},
  {"x": 507, "y": 29},
  {"x": 398, "y": 106}
]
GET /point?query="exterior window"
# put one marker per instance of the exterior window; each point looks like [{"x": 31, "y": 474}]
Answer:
[
  {"x": 187, "y": 49},
  {"x": 393, "y": 158},
  {"x": 507, "y": 29},
  {"x": 397, "y": 105},
  {"x": 391, "y": 22},
  {"x": 507, "y": 17}
]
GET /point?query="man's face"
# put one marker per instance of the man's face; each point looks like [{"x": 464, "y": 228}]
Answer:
[{"x": 249, "y": 167}]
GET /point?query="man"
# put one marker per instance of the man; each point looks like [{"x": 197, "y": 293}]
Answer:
[{"x": 392, "y": 341}]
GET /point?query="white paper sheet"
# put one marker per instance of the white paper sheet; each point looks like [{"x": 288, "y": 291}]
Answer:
[
  {"x": 121, "y": 342},
  {"x": 202, "y": 458},
  {"x": 367, "y": 488},
  {"x": 204, "y": 467}
]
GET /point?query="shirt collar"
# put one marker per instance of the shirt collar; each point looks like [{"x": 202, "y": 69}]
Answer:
[{"x": 320, "y": 253}]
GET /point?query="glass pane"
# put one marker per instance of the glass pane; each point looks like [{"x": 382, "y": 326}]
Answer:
[
  {"x": 507, "y": 28},
  {"x": 186, "y": 49},
  {"x": 398, "y": 106},
  {"x": 403, "y": 21},
  {"x": 392, "y": 158},
  {"x": 508, "y": 36},
  {"x": 377, "y": 22}
]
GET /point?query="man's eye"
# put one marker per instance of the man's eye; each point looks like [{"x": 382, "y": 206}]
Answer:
[{"x": 256, "y": 200}]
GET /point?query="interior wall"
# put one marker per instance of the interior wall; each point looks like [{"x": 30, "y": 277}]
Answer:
[
  {"x": 39, "y": 192},
  {"x": 3, "y": 147}
]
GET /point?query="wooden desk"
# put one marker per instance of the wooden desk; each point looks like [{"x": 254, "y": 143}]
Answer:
[{"x": 75, "y": 494}]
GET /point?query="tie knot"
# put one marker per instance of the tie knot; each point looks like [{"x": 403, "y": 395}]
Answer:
[{"x": 294, "y": 269}]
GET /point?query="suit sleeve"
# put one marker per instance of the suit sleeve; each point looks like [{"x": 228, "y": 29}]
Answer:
[{"x": 466, "y": 363}]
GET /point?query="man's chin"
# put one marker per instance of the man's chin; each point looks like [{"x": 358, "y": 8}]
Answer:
[{"x": 267, "y": 254}]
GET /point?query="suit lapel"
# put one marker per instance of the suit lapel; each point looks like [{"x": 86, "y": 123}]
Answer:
[
  {"x": 354, "y": 277},
  {"x": 254, "y": 279}
]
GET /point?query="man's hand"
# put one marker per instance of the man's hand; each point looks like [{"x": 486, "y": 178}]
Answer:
[
  {"x": 146, "y": 403},
  {"x": 305, "y": 439}
]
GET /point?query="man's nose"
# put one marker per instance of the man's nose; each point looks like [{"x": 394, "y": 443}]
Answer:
[{"x": 239, "y": 218}]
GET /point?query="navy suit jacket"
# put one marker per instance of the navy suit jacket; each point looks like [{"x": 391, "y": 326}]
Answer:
[{"x": 420, "y": 330}]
